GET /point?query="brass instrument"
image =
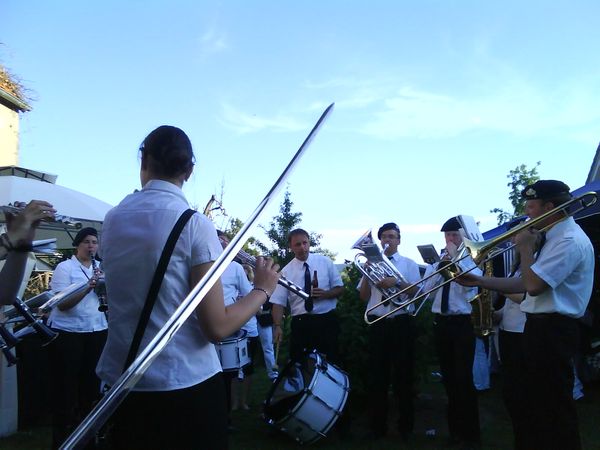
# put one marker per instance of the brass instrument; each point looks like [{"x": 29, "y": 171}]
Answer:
[
  {"x": 245, "y": 258},
  {"x": 482, "y": 307},
  {"x": 17, "y": 207},
  {"x": 483, "y": 251},
  {"x": 447, "y": 270},
  {"x": 375, "y": 266}
]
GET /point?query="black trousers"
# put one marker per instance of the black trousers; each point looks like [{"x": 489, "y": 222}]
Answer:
[
  {"x": 514, "y": 391},
  {"x": 391, "y": 360},
  {"x": 184, "y": 419},
  {"x": 550, "y": 343},
  {"x": 75, "y": 386},
  {"x": 455, "y": 345},
  {"x": 315, "y": 331}
]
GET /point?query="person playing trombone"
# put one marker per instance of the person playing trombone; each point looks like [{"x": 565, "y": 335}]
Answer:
[
  {"x": 391, "y": 341},
  {"x": 558, "y": 284},
  {"x": 179, "y": 402},
  {"x": 455, "y": 342}
]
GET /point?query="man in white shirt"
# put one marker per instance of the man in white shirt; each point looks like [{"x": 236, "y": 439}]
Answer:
[
  {"x": 314, "y": 323},
  {"x": 455, "y": 343},
  {"x": 391, "y": 341},
  {"x": 558, "y": 282}
]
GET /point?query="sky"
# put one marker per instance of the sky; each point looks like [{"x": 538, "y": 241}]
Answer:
[{"x": 436, "y": 101}]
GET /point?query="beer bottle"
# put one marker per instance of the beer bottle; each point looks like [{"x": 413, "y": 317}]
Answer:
[{"x": 315, "y": 280}]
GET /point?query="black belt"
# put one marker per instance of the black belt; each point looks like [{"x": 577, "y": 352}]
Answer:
[
  {"x": 452, "y": 316},
  {"x": 547, "y": 316},
  {"x": 372, "y": 317},
  {"x": 313, "y": 316}
]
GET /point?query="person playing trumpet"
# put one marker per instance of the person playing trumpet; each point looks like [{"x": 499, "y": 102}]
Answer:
[
  {"x": 557, "y": 278},
  {"x": 455, "y": 343},
  {"x": 391, "y": 341}
]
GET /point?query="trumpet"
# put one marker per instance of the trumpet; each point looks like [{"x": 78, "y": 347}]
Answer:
[
  {"x": 245, "y": 258},
  {"x": 483, "y": 251},
  {"x": 375, "y": 266},
  {"x": 17, "y": 207}
]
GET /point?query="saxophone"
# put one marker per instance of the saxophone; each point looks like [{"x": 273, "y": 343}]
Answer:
[{"x": 482, "y": 307}]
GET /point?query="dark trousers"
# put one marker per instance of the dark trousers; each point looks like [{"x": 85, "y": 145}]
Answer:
[
  {"x": 514, "y": 391},
  {"x": 183, "y": 419},
  {"x": 455, "y": 345},
  {"x": 315, "y": 331},
  {"x": 75, "y": 386},
  {"x": 550, "y": 343},
  {"x": 391, "y": 359}
]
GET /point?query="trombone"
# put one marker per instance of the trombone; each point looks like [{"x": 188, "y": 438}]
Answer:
[{"x": 483, "y": 251}]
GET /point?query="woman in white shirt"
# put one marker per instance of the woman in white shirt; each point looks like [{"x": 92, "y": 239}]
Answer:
[
  {"x": 81, "y": 336},
  {"x": 179, "y": 403}
]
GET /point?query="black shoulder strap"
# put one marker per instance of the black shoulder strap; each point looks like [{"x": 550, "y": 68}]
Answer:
[{"x": 155, "y": 286}]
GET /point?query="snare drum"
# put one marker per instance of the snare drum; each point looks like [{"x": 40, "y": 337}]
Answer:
[
  {"x": 307, "y": 398},
  {"x": 233, "y": 352}
]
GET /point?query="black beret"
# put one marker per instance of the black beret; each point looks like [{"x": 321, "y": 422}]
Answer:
[
  {"x": 544, "y": 189},
  {"x": 82, "y": 234},
  {"x": 451, "y": 224},
  {"x": 386, "y": 227}
]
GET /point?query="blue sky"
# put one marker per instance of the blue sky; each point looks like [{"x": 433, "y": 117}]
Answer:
[{"x": 435, "y": 101}]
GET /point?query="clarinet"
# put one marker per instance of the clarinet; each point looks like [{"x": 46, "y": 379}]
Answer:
[{"x": 102, "y": 305}]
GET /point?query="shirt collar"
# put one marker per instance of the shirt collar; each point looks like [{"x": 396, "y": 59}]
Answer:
[
  {"x": 165, "y": 186},
  {"x": 392, "y": 256}
]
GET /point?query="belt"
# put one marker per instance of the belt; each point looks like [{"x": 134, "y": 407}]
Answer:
[
  {"x": 547, "y": 316},
  {"x": 452, "y": 316},
  {"x": 372, "y": 317}
]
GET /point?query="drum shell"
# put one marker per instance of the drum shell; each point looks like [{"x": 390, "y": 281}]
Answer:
[
  {"x": 318, "y": 406},
  {"x": 233, "y": 352}
]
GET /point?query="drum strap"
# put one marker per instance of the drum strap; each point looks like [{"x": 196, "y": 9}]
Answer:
[{"x": 155, "y": 286}]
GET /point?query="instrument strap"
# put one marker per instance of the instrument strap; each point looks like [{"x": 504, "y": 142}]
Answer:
[{"x": 155, "y": 285}]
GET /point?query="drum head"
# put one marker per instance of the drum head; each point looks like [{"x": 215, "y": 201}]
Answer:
[{"x": 290, "y": 386}]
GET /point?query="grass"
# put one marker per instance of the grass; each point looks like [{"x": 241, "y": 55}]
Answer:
[{"x": 252, "y": 433}]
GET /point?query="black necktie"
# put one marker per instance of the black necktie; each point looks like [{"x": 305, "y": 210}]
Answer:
[
  {"x": 445, "y": 295},
  {"x": 308, "y": 303}
]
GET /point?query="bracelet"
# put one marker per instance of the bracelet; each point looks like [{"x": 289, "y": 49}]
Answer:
[
  {"x": 5, "y": 242},
  {"x": 262, "y": 290},
  {"x": 10, "y": 247}
]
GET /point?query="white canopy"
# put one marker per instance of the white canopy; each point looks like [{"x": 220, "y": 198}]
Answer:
[{"x": 23, "y": 185}]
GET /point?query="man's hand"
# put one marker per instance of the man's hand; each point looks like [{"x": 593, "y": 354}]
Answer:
[
  {"x": 468, "y": 279},
  {"x": 386, "y": 283},
  {"x": 21, "y": 227},
  {"x": 277, "y": 334}
]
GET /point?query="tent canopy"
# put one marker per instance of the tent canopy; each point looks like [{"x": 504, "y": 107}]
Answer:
[
  {"x": 591, "y": 211},
  {"x": 22, "y": 185}
]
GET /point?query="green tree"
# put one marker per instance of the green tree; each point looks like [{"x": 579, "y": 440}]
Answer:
[
  {"x": 519, "y": 177},
  {"x": 279, "y": 229}
]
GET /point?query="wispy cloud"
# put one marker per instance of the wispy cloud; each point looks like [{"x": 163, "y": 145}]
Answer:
[
  {"x": 213, "y": 41},
  {"x": 499, "y": 99},
  {"x": 243, "y": 122}
]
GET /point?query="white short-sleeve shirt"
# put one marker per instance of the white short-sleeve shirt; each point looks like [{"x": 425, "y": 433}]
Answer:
[
  {"x": 133, "y": 237},
  {"x": 84, "y": 316},
  {"x": 328, "y": 277},
  {"x": 235, "y": 285},
  {"x": 566, "y": 264}
]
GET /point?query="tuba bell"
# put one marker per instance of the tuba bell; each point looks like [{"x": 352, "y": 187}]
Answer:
[{"x": 375, "y": 266}]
